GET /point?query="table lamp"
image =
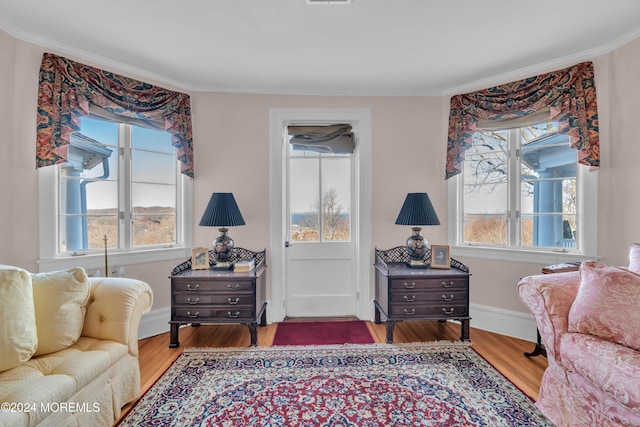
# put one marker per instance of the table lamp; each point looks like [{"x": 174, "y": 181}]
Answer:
[
  {"x": 417, "y": 210},
  {"x": 222, "y": 211}
]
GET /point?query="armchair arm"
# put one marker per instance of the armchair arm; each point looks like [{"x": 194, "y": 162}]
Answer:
[
  {"x": 549, "y": 297},
  {"x": 115, "y": 308}
]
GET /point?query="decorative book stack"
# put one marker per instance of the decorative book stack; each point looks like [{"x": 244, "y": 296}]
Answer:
[{"x": 244, "y": 266}]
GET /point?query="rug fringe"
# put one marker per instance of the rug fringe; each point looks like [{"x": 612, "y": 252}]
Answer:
[{"x": 429, "y": 344}]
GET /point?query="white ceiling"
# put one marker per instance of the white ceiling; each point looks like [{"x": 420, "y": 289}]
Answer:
[{"x": 369, "y": 47}]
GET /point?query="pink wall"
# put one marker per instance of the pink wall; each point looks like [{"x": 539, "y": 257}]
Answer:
[
  {"x": 619, "y": 203},
  {"x": 231, "y": 146}
]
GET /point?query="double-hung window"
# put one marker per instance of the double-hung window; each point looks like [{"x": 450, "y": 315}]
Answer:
[
  {"x": 522, "y": 190},
  {"x": 120, "y": 191}
]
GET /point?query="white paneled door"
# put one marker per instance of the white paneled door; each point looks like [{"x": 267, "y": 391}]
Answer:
[{"x": 320, "y": 253}]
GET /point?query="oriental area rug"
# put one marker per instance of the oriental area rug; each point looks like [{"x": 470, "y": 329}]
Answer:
[
  {"x": 424, "y": 384},
  {"x": 322, "y": 333}
]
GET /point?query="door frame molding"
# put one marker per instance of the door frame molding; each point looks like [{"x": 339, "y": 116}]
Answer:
[{"x": 360, "y": 119}]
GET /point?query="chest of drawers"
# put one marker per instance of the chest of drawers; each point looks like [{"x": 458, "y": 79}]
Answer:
[
  {"x": 218, "y": 297},
  {"x": 403, "y": 293}
]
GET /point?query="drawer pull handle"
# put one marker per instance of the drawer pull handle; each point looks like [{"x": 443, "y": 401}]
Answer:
[
  {"x": 447, "y": 312},
  {"x": 411, "y": 298},
  {"x": 410, "y": 313},
  {"x": 233, "y": 315},
  {"x": 447, "y": 285},
  {"x": 194, "y": 315},
  {"x": 194, "y": 301},
  {"x": 447, "y": 298},
  {"x": 233, "y": 286},
  {"x": 233, "y": 301},
  {"x": 409, "y": 286},
  {"x": 193, "y": 287}
]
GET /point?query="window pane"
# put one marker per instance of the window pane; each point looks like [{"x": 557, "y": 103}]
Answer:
[
  {"x": 154, "y": 214},
  {"x": 485, "y": 214},
  {"x": 153, "y": 188},
  {"x": 304, "y": 203},
  {"x": 485, "y": 190},
  {"x": 151, "y": 140},
  {"x": 88, "y": 189},
  {"x": 336, "y": 199},
  {"x": 548, "y": 192}
]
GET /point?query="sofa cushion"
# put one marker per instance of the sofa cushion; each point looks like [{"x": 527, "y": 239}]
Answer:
[
  {"x": 607, "y": 304},
  {"x": 60, "y": 299},
  {"x": 18, "y": 336},
  {"x": 615, "y": 370},
  {"x": 60, "y": 376},
  {"x": 634, "y": 257}
]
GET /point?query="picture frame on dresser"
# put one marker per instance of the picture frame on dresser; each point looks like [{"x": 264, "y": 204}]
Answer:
[
  {"x": 440, "y": 257},
  {"x": 200, "y": 258}
]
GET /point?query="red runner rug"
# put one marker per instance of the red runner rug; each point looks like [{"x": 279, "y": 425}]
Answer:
[{"x": 323, "y": 333}]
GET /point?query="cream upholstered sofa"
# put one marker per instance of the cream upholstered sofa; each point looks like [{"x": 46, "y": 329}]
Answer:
[
  {"x": 589, "y": 322},
  {"x": 68, "y": 347}
]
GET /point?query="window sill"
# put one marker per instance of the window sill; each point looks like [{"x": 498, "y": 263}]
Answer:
[
  {"x": 95, "y": 261},
  {"x": 519, "y": 255}
]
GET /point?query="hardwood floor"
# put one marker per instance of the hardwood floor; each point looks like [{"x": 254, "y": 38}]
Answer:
[{"x": 504, "y": 353}]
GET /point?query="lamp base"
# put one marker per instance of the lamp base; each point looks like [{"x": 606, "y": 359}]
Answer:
[
  {"x": 222, "y": 250},
  {"x": 417, "y": 249}
]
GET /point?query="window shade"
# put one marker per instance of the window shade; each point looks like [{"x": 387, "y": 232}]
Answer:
[
  {"x": 329, "y": 139},
  {"x": 536, "y": 117}
]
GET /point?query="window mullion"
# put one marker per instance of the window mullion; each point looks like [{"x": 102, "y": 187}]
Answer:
[
  {"x": 124, "y": 187},
  {"x": 513, "y": 185},
  {"x": 320, "y": 202}
]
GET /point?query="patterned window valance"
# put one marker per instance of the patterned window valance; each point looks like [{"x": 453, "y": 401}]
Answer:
[
  {"x": 569, "y": 95},
  {"x": 67, "y": 88}
]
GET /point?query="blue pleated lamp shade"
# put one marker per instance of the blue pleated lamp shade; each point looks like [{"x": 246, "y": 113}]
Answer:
[
  {"x": 417, "y": 210},
  {"x": 222, "y": 211}
]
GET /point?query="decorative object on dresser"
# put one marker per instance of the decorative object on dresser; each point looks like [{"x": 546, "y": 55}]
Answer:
[
  {"x": 219, "y": 296},
  {"x": 403, "y": 293},
  {"x": 199, "y": 259},
  {"x": 244, "y": 266},
  {"x": 440, "y": 257},
  {"x": 222, "y": 211},
  {"x": 417, "y": 210}
]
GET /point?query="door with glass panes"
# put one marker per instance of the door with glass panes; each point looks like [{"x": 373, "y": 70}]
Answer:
[{"x": 320, "y": 249}]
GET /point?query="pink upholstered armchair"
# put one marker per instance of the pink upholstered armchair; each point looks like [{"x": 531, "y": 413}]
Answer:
[{"x": 589, "y": 322}]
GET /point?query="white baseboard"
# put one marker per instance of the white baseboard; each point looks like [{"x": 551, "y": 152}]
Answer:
[
  {"x": 506, "y": 322},
  {"x": 155, "y": 322}
]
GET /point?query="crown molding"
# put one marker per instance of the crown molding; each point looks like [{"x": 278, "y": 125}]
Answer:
[
  {"x": 495, "y": 80},
  {"x": 544, "y": 67},
  {"x": 83, "y": 55}
]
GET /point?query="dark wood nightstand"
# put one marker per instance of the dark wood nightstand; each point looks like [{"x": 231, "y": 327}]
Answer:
[
  {"x": 219, "y": 296},
  {"x": 539, "y": 349},
  {"x": 403, "y": 293}
]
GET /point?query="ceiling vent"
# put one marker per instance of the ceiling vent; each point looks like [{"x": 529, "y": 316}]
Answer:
[{"x": 328, "y": 2}]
